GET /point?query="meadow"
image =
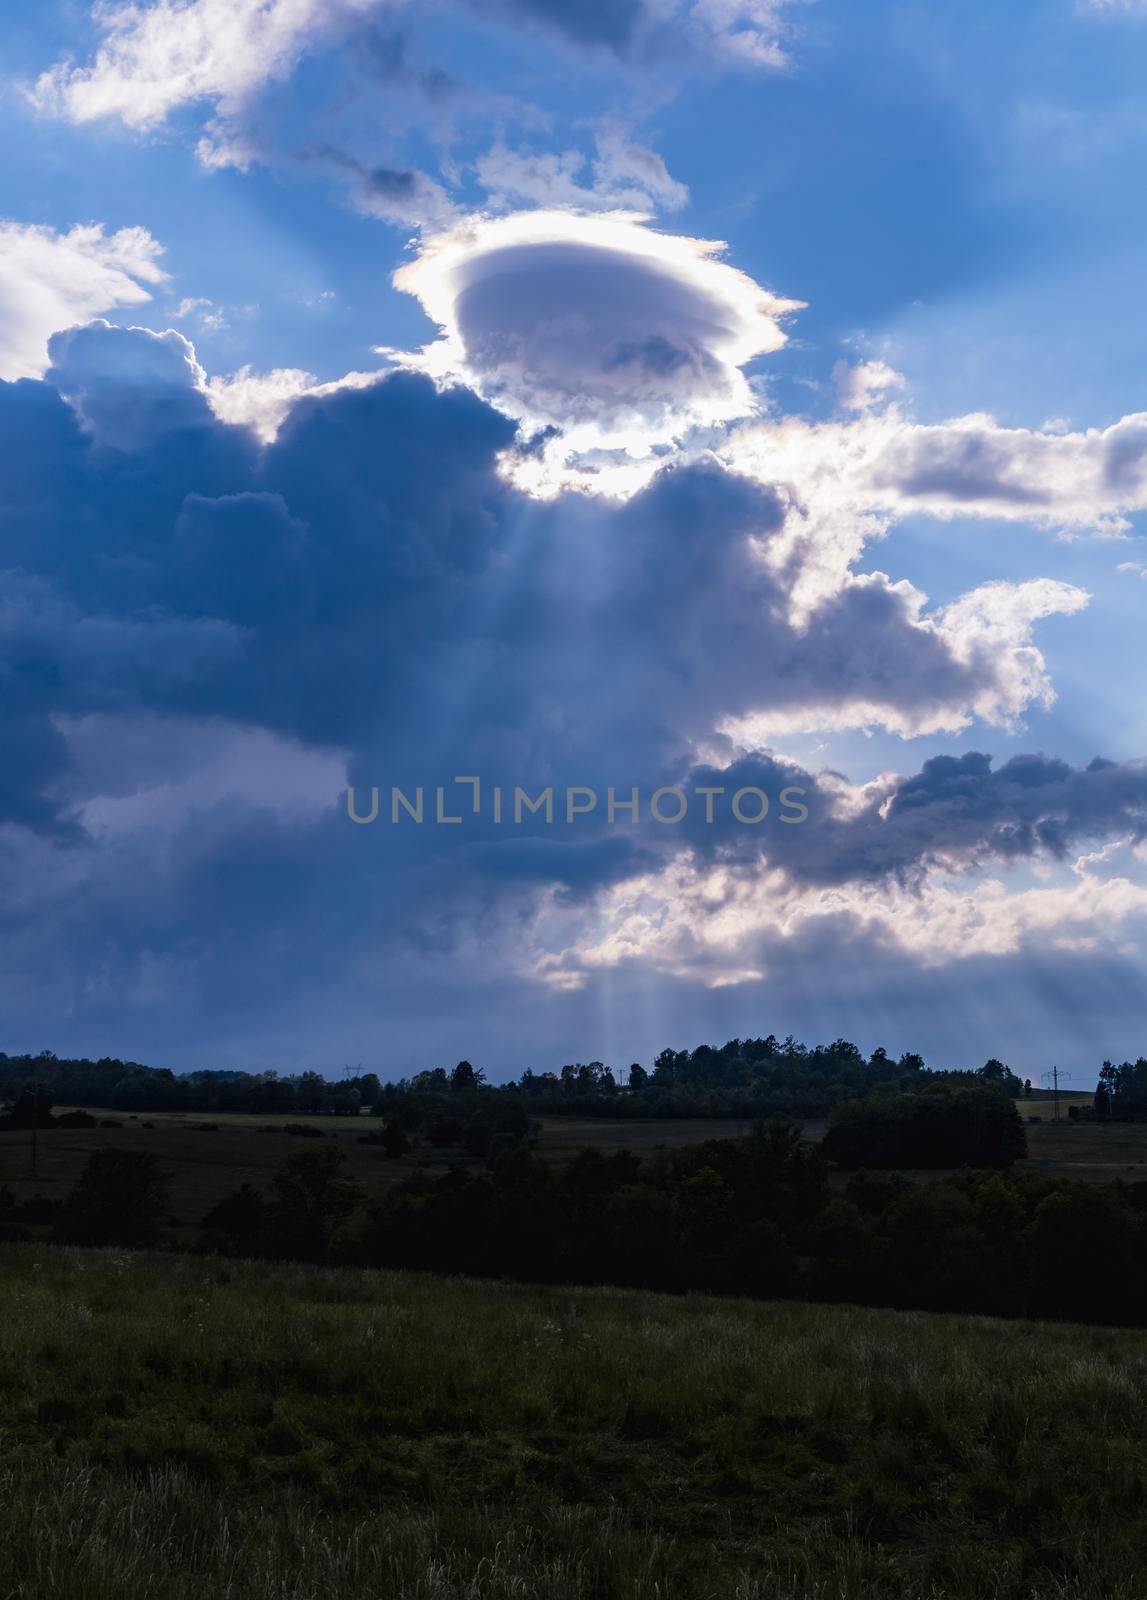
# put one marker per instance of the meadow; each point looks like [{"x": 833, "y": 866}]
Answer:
[{"x": 177, "y": 1428}]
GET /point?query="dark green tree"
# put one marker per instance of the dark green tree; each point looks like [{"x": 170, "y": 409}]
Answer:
[
  {"x": 120, "y": 1197},
  {"x": 464, "y": 1077},
  {"x": 312, "y": 1200}
]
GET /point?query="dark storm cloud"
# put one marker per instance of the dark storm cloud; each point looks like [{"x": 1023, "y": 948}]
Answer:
[
  {"x": 958, "y": 811},
  {"x": 370, "y": 585}
]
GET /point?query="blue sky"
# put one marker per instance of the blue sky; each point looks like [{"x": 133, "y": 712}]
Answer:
[{"x": 850, "y": 504}]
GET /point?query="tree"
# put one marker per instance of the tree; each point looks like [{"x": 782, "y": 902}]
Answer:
[
  {"x": 995, "y": 1072},
  {"x": 120, "y": 1197},
  {"x": 312, "y": 1092},
  {"x": 33, "y": 1108},
  {"x": 945, "y": 1126},
  {"x": 311, "y": 1201},
  {"x": 464, "y": 1077},
  {"x": 638, "y": 1077},
  {"x": 394, "y": 1141}
]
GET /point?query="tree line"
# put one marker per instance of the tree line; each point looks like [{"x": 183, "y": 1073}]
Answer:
[{"x": 744, "y": 1078}]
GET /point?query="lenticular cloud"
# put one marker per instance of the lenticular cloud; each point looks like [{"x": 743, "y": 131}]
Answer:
[{"x": 601, "y": 328}]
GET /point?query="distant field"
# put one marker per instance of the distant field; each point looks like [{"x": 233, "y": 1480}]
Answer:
[
  {"x": 204, "y": 1166},
  {"x": 1041, "y": 1102},
  {"x": 177, "y": 1429},
  {"x": 1098, "y": 1150},
  {"x": 207, "y": 1165},
  {"x": 360, "y": 1123},
  {"x": 566, "y": 1135}
]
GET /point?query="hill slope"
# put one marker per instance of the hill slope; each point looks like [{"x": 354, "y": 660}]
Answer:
[{"x": 180, "y": 1428}]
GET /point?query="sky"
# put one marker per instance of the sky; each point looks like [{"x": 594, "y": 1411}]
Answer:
[{"x": 726, "y": 400}]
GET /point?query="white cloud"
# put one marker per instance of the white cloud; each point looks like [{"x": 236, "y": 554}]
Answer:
[
  {"x": 862, "y": 386},
  {"x": 745, "y": 32},
  {"x": 51, "y": 280},
  {"x": 992, "y": 626},
  {"x": 720, "y": 925},
  {"x": 626, "y": 177},
  {"x": 619, "y": 336},
  {"x": 850, "y": 480},
  {"x": 261, "y": 400},
  {"x": 206, "y": 313},
  {"x": 157, "y": 58}
]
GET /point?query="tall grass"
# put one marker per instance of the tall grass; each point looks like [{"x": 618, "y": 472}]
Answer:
[{"x": 172, "y": 1427}]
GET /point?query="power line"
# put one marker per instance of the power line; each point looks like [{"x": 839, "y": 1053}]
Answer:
[{"x": 1053, "y": 1077}]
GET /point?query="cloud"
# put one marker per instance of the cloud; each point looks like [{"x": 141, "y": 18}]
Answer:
[
  {"x": 957, "y": 814},
  {"x": 626, "y": 177},
  {"x": 896, "y": 865},
  {"x": 148, "y": 773},
  {"x": 259, "y": 401},
  {"x": 128, "y": 385},
  {"x": 393, "y": 194},
  {"x": 374, "y": 543},
  {"x": 745, "y": 32},
  {"x": 208, "y": 316},
  {"x": 156, "y": 58},
  {"x": 592, "y": 22},
  {"x": 49, "y": 280},
  {"x": 717, "y": 928},
  {"x": 619, "y": 336},
  {"x": 227, "y": 62},
  {"x": 200, "y": 635},
  {"x": 851, "y": 479},
  {"x": 862, "y": 386}
]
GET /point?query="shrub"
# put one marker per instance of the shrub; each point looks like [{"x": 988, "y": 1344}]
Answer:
[{"x": 76, "y": 1119}]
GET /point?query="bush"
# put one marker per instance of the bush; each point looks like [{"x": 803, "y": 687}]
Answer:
[
  {"x": 76, "y": 1119},
  {"x": 239, "y": 1218}
]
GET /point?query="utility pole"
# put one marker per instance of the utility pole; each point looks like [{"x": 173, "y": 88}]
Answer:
[{"x": 1053, "y": 1078}]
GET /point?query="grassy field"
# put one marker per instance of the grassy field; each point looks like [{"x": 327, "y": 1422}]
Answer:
[
  {"x": 1094, "y": 1150},
  {"x": 176, "y": 1429},
  {"x": 204, "y": 1165}
]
